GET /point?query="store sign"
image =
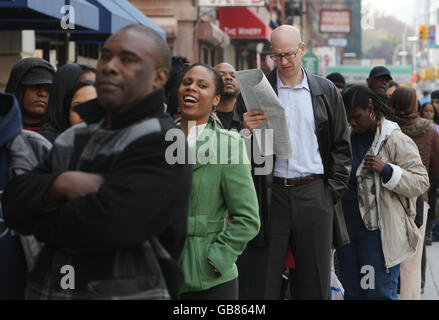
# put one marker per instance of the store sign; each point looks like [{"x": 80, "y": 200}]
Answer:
[
  {"x": 335, "y": 21},
  {"x": 244, "y": 32},
  {"x": 338, "y": 42},
  {"x": 311, "y": 62},
  {"x": 242, "y": 23},
  {"x": 232, "y": 3}
]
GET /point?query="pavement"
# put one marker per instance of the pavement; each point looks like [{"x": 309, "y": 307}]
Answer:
[{"x": 431, "y": 290}]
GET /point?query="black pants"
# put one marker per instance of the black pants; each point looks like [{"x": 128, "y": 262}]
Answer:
[
  {"x": 224, "y": 291},
  {"x": 301, "y": 217}
]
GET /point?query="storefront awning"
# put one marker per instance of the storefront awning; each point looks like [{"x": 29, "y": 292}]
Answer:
[
  {"x": 46, "y": 15},
  {"x": 116, "y": 14},
  {"x": 211, "y": 34},
  {"x": 243, "y": 23},
  {"x": 94, "y": 20}
]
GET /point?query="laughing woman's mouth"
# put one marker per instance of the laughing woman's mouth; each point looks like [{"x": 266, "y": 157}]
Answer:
[{"x": 189, "y": 100}]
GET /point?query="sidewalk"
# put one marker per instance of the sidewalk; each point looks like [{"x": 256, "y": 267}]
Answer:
[{"x": 431, "y": 291}]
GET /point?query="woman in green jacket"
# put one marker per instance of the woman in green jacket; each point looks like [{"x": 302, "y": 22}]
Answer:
[{"x": 223, "y": 214}]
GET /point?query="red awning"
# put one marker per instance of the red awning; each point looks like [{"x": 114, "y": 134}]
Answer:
[{"x": 242, "y": 23}]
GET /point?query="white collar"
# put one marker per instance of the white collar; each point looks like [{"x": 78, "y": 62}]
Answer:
[{"x": 303, "y": 85}]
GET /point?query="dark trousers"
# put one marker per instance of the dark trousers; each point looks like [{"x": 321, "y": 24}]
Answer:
[
  {"x": 302, "y": 217},
  {"x": 257, "y": 271},
  {"x": 242, "y": 264},
  {"x": 224, "y": 291}
]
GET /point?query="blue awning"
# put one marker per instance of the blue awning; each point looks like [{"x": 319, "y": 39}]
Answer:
[
  {"x": 116, "y": 14},
  {"x": 94, "y": 20},
  {"x": 86, "y": 14},
  {"x": 46, "y": 15},
  {"x": 140, "y": 17}
]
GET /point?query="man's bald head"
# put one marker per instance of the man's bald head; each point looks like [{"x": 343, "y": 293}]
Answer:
[
  {"x": 222, "y": 65},
  {"x": 288, "y": 49},
  {"x": 286, "y": 33},
  {"x": 162, "y": 53},
  {"x": 133, "y": 63}
]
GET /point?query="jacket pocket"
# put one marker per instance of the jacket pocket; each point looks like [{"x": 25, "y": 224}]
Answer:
[{"x": 208, "y": 271}]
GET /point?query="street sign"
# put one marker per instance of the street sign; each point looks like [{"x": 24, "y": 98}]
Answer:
[
  {"x": 358, "y": 74},
  {"x": 335, "y": 21},
  {"x": 311, "y": 62},
  {"x": 338, "y": 42}
]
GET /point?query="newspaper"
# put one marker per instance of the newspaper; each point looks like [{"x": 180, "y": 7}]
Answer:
[{"x": 258, "y": 94}]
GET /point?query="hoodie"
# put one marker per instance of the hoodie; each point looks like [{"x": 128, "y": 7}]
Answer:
[
  {"x": 12, "y": 259},
  {"x": 57, "y": 116},
  {"x": 18, "y": 71}
]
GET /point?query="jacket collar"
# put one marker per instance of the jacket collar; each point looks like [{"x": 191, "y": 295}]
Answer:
[
  {"x": 384, "y": 131},
  {"x": 146, "y": 107}
]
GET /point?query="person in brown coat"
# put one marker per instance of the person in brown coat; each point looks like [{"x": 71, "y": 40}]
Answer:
[{"x": 403, "y": 102}]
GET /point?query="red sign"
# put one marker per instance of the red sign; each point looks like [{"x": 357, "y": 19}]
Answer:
[
  {"x": 335, "y": 21},
  {"x": 242, "y": 22},
  {"x": 231, "y": 3}
]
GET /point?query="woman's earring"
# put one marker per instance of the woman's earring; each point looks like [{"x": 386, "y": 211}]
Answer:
[{"x": 372, "y": 116}]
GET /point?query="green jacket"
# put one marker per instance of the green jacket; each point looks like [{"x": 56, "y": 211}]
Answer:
[{"x": 222, "y": 187}]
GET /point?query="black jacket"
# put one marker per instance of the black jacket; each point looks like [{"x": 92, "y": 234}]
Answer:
[
  {"x": 142, "y": 197},
  {"x": 334, "y": 146}
]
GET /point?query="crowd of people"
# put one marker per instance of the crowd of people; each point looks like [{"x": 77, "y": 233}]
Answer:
[{"x": 90, "y": 183}]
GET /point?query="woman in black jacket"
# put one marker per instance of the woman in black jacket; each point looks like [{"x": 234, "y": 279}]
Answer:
[{"x": 57, "y": 116}]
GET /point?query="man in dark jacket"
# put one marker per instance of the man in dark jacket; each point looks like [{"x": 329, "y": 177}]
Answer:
[
  {"x": 226, "y": 111},
  {"x": 298, "y": 198},
  {"x": 105, "y": 196},
  {"x": 30, "y": 81},
  {"x": 378, "y": 81}
]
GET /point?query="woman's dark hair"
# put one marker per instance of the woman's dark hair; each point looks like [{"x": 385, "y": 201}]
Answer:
[
  {"x": 218, "y": 79},
  {"x": 435, "y": 117},
  {"x": 359, "y": 96},
  {"x": 393, "y": 83},
  {"x": 64, "y": 80},
  {"x": 68, "y": 99},
  {"x": 85, "y": 69},
  {"x": 178, "y": 67},
  {"x": 404, "y": 99}
]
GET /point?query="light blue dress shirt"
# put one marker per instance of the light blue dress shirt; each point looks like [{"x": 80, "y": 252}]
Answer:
[{"x": 299, "y": 113}]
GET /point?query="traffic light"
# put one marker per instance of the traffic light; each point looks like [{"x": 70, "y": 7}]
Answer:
[
  {"x": 415, "y": 78},
  {"x": 424, "y": 32},
  {"x": 427, "y": 74},
  {"x": 421, "y": 32}
]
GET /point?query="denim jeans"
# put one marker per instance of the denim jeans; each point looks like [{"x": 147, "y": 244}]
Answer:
[{"x": 363, "y": 273}]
